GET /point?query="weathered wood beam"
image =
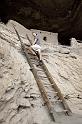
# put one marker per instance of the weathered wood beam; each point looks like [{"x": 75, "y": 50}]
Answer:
[{"x": 54, "y": 85}]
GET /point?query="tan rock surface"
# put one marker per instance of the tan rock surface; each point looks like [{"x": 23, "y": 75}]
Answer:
[{"x": 20, "y": 99}]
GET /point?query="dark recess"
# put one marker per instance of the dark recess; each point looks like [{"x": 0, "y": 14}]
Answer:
[
  {"x": 62, "y": 16},
  {"x": 45, "y": 38}
]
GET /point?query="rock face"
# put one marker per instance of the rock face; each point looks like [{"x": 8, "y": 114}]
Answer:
[
  {"x": 20, "y": 99},
  {"x": 63, "y": 16}
]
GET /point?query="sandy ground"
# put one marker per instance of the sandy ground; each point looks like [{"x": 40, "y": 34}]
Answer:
[{"x": 20, "y": 99}]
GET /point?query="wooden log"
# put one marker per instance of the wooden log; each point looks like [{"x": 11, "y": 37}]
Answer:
[
  {"x": 54, "y": 85},
  {"x": 39, "y": 82},
  {"x": 41, "y": 87},
  {"x": 29, "y": 39}
]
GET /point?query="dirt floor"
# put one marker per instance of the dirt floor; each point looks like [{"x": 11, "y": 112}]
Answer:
[{"x": 20, "y": 99}]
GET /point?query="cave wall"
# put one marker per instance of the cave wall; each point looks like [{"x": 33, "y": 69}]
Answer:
[{"x": 62, "y": 16}]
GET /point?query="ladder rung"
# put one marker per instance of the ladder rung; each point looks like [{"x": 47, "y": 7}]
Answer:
[
  {"x": 64, "y": 111},
  {"x": 58, "y": 101}
]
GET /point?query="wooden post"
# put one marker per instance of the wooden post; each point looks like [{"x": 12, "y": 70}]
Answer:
[
  {"x": 39, "y": 83},
  {"x": 54, "y": 85}
]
